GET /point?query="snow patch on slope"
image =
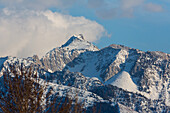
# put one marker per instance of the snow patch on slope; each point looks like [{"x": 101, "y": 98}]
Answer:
[
  {"x": 124, "y": 109},
  {"x": 123, "y": 80}
]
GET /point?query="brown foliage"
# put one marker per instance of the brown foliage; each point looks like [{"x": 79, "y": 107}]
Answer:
[{"x": 22, "y": 93}]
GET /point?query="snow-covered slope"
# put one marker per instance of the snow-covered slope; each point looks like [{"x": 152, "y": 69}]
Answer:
[
  {"x": 83, "y": 95},
  {"x": 104, "y": 63},
  {"x": 93, "y": 64},
  {"x": 124, "y": 81},
  {"x": 124, "y": 109}
]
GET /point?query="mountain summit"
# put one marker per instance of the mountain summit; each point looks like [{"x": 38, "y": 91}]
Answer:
[{"x": 78, "y": 42}]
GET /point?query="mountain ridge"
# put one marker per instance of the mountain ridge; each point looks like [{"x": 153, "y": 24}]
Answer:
[{"x": 87, "y": 68}]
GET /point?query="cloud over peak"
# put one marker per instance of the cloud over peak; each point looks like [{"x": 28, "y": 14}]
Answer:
[{"x": 28, "y": 32}]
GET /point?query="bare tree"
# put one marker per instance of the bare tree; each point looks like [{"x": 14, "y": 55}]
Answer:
[{"x": 22, "y": 92}]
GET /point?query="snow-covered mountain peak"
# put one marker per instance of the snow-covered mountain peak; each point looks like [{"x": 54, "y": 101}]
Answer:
[
  {"x": 78, "y": 42},
  {"x": 57, "y": 58},
  {"x": 80, "y": 36},
  {"x": 74, "y": 38}
]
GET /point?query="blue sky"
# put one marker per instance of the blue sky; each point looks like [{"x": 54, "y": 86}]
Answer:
[
  {"x": 147, "y": 31},
  {"x": 35, "y": 26}
]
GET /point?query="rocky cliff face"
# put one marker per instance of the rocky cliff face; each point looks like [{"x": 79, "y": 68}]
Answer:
[{"x": 124, "y": 78}]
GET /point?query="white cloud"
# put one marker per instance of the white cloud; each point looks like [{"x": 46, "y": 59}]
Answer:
[
  {"x": 37, "y": 4},
  {"x": 106, "y": 13},
  {"x": 28, "y": 32},
  {"x": 108, "y": 9},
  {"x": 96, "y": 3},
  {"x": 153, "y": 7},
  {"x": 128, "y": 4},
  {"x": 128, "y": 7}
]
